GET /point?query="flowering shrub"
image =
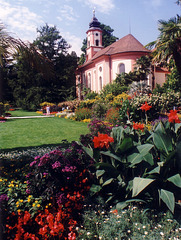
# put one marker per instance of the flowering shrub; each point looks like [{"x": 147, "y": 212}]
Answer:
[
  {"x": 102, "y": 141},
  {"x": 112, "y": 116},
  {"x": 97, "y": 126},
  {"x": 173, "y": 117},
  {"x": 48, "y": 203},
  {"x": 82, "y": 113}
]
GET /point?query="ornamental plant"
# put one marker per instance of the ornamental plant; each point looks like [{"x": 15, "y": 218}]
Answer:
[
  {"x": 141, "y": 166},
  {"x": 47, "y": 205}
]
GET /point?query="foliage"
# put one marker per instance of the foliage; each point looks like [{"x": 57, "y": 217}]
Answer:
[
  {"x": 82, "y": 113},
  {"x": 137, "y": 88},
  {"x": 100, "y": 108},
  {"x": 114, "y": 88},
  {"x": 142, "y": 67},
  {"x": 168, "y": 43},
  {"x": 47, "y": 203},
  {"x": 3, "y": 108},
  {"x": 98, "y": 126},
  {"x": 145, "y": 165},
  {"x": 50, "y": 42},
  {"x": 112, "y": 116},
  {"x": 131, "y": 223},
  {"x": 72, "y": 105}
]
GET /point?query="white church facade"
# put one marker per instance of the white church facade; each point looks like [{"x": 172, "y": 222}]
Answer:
[{"x": 103, "y": 64}]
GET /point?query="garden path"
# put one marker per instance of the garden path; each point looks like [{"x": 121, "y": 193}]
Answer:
[{"x": 31, "y": 117}]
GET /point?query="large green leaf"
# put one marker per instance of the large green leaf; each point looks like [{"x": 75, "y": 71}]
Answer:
[
  {"x": 108, "y": 182},
  {"x": 126, "y": 144},
  {"x": 162, "y": 141},
  {"x": 99, "y": 173},
  {"x": 168, "y": 198},
  {"x": 139, "y": 155},
  {"x": 139, "y": 184},
  {"x": 176, "y": 179},
  {"x": 155, "y": 170},
  {"x": 177, "y": 127},
  {"x": 95, "y": 188},
  {"x": 109, "y": 154}
]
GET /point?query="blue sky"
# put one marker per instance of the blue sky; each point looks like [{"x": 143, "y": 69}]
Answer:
[{"x": 72, "y": 17}]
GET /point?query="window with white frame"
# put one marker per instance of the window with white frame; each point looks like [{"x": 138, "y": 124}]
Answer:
[{"x": 121, "y": 68}]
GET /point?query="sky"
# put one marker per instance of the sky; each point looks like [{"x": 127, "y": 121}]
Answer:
[{"x": 22, "y": 18}]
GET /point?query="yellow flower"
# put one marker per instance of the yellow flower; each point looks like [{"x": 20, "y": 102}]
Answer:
[
  {"x": 29, "y": 200},
  {"x": 36, "y": 201},
  {"x": 38, "y": 205},
  {"x": 19, "y": 210},
  {"x": 21, "y": 200},
  {"x": 1, "y": 180},
  {"x": 34, "y": 205},
  {"x": 17, "y": 202}
]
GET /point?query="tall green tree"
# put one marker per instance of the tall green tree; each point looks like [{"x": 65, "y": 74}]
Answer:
[
  {"x": 30, "y": 88},
  {"x": 10, "y": 48},
  {"x": 50, "y": 42},
  {"x": 168, "y": 44},
  {"x": 142, "y": 67}
]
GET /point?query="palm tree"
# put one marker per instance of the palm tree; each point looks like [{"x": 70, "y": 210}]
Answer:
[
  {"x": 11, "y": 47},
  {"x": 168, "y": 44}
]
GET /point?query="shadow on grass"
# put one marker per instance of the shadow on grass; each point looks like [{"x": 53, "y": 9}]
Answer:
[{"x": 62, "y": 144}]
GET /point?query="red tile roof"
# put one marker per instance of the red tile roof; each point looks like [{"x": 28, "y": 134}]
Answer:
[{"x": 126, "y": 44}]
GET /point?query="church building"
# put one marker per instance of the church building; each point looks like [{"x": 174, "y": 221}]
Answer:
[{"x": 103, "y": 64}]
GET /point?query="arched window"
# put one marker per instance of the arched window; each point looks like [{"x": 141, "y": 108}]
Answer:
[
  {"x": 97, "y": 42},
  {"x": 121, "y": 68},
  {"x": 100, "y": 83},
  {"x": 89, "y": 81},
  {"x": 100, "y": 69}
]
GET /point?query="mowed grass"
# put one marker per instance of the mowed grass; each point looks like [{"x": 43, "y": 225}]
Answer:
[{"x": 18, "y": 133}]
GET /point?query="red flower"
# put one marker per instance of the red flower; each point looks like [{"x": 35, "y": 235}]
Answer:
[
  {"x": 138, "y": 126},
  {"x": 173, "y": 117},
  {"x": 145, "y": 107},
  {"x": 102, "y": 140}
]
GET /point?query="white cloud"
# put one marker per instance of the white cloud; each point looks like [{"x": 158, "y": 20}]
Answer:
[
  {"x": 19, "y": 20},
  {"x": 104, "y": 6},
  {"x": 156, "y": 3},
  {"x": 74, "y": 41},
  {"x": 153, "y": 3},
  {"x": 67, "y": 14}
]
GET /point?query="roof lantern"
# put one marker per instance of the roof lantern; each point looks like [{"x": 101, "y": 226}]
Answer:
[{"x": 94, "y": 22}]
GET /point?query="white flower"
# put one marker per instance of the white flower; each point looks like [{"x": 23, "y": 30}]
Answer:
[{"x": 145, "y": 232}]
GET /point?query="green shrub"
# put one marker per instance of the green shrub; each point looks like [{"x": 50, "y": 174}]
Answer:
[
  {"x": 83, "y": 113},
  {"x": 141, "y": 165}
]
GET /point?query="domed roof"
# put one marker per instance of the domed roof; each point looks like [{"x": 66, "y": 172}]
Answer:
[{"x": 94, "y": 22}]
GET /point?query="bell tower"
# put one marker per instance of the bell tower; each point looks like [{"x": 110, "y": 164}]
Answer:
[{"x": 94, "y": 38}]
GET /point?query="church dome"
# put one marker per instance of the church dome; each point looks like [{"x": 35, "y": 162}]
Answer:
[{"x": 94, "y": 22}]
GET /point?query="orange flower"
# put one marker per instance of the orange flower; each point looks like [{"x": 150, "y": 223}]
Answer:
[
  {"x": 145, "y": 107},
  {"x": 102, "y": 140},
  {"x": 138, "y": 126},
  {"x": 173, "y": 117}
]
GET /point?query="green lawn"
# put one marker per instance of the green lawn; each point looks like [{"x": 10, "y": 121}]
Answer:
[{"x": 17, "y": 133}]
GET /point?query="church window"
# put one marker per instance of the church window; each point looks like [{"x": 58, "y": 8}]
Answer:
[
  {"x": 97, "y": 34},
  {"x": 100, "y": 83},
  {"x": 88, "y": 44},
  {"x": 121, "y": 68},
  {"x": 100, "y": 69},
  {"x": 97, "y": 42},
  {"x": 89, "y": 80}
]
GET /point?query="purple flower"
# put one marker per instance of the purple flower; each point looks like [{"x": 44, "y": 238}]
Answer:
[
  {"x": 3, "y": 197},
  {"x": 61, "y": 199},
  {"x": 37, "y": 157},
  {"x": 28, "y": 191},
  {"x": 56, "y": 165},
  {"x": 69, "y": 169},
  {"x": 33, "y": 163}
]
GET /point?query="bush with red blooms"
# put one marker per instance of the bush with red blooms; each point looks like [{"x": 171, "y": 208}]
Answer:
[
  {"x": 145, "y": 107},
  {"x": 103, "y": 140},
  {"x": 62, "y": 179},
  {"x": 138, "y": 126},
  {"x": 173, "y": 117}
]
